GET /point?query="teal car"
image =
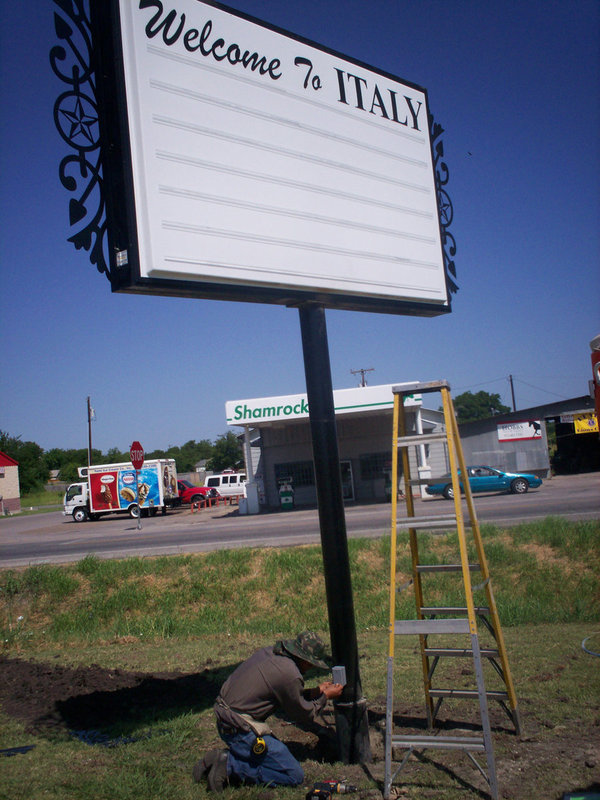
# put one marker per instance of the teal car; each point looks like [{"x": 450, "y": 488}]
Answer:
[{"x": 487, "y": 479}]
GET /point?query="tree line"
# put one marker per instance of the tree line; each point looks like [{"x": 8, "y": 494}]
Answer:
[
  {"x": 36, "y": 464},
  {"x": 481, "y": 405},
  {"x": 225, "y": 452}
]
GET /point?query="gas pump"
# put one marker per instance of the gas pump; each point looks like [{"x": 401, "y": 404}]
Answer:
[{"x": 286, "y": 493}]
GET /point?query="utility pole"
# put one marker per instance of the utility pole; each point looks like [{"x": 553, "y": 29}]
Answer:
[
  {"x": 512, "y": 391},
  {"x": 90, "y": 411},
  {"x": 361, "y": 372}
]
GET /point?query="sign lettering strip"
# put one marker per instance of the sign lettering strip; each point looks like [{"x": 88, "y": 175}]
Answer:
[
  {"x": 248, "y": 237},
  {"x": 290, "y": 213},
  {"x": 298, "y": 245},
  {"x": 276, "y": 179},
  {"x": 354, "y": 280}
]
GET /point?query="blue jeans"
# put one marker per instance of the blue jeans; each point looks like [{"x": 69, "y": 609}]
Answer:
[{"x": 276, "y": 767}]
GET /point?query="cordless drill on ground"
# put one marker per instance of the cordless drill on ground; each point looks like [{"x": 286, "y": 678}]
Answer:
[{"x": 324, "y": 790}]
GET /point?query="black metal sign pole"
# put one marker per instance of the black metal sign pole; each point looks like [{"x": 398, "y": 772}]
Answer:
[{"x": 351, "y": 709}]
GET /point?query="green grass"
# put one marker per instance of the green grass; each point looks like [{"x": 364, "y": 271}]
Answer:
[
  {"x": 204, "y": 613},
  {"x": 542, "y": 573},
  {"x": 39, "y": 501},
  {"x": 559, "y": 534},
  {"x": 557, "y": 684}
]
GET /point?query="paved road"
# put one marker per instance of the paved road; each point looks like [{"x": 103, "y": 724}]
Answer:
[{"x": 52, "y": 538}]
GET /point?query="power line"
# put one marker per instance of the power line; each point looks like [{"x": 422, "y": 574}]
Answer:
[
  {"x": 539, "y": 388},
  {"x": 483, "y": 383},
  {"x": 508, "y": 378}
]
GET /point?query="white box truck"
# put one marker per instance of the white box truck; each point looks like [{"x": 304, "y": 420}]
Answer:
[{"x": 111, "y": 488}]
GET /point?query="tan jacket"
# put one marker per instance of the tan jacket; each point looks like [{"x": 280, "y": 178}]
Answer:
[{"x": 263, "y": 684}]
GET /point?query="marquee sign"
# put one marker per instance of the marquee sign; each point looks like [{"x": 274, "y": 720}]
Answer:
[{"x": 242, "y": 162}]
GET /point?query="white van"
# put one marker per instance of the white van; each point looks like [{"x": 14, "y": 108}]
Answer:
[{"x": 227, "y": 483}]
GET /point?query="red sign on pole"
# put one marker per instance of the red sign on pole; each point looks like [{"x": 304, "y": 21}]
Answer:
[{"x": 136, "y": 453}]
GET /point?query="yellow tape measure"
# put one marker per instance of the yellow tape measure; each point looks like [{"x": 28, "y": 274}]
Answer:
[{"x": 259, "y": 747}]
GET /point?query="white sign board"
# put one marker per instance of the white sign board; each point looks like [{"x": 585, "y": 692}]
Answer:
[
  {"x": 519, "y": 430},
  {"x": 259, "y": 160},
  {"x": 361, "y": 400}
]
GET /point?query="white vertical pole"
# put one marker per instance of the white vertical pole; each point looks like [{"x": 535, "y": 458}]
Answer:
[{"x": 248, "y": 455}]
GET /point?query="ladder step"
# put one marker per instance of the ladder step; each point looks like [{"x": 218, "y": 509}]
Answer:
[
  {"x": 427, "y": 626},
  {"x": 420, "y": 387},
  {"x": 445, "y": 567},
  {"x": 472, "y": 743},
  {"x": 467, "y": 694},
  {"x": 428, "y": 610},
  {"x": 459, "y": 652},
  {"x": 439, "y": 521},
  {"x": 421, "y": 438}
]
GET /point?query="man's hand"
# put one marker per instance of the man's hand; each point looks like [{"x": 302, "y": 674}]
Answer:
[{"x": 331, "y": 690}]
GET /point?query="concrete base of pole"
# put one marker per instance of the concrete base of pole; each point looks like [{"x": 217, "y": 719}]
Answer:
[{"x": 352, "y": 725}]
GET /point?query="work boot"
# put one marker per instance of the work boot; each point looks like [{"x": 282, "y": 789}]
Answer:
[
  {"x": 217, "y": 776},
  {"x": 202, "y": 767}
]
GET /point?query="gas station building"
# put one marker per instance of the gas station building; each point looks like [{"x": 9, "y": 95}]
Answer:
[{"x": 278, "y": 443}]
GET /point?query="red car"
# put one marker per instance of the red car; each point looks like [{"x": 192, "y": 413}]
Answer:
[{"x": 188, "y": 493}]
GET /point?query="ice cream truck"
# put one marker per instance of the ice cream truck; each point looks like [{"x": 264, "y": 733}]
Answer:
[{"x": 111, "y": 488}]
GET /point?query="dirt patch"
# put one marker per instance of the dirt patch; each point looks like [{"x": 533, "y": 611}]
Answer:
[
  {"x": 545, "y": 554},
  {"x": 111, "y": 705},
  {"x": 51, "y": 699},
  {"x": 546, "y": 761}
]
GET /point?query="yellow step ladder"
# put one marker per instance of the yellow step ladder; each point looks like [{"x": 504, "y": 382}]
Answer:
[{"x": 460, "y": 623}]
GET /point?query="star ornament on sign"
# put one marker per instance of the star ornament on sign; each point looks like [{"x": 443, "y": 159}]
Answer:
[
  {"x": 79, "y": 122},
  {"x": 446, "y": 210}
]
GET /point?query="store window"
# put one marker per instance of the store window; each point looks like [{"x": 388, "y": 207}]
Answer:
[
  {"x": 374, "y": 465},
  {"x": 302, "y": 473}
]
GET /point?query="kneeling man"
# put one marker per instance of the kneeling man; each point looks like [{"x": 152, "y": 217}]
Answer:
[{"x": 270, "y": 680}]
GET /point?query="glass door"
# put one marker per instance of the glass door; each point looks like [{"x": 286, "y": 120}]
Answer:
[{"x": 347, "y": 481}]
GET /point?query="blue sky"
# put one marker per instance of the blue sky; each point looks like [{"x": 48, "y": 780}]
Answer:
[{"x": 516, "y": 87}]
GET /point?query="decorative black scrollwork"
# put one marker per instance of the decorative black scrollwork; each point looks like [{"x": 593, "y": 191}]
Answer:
[
  {"x": 76, "y": 119},
  {"x": 444, "y": 203}
]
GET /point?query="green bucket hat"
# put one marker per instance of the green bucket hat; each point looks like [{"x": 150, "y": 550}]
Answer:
[{"x": 307, "y": 646}]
